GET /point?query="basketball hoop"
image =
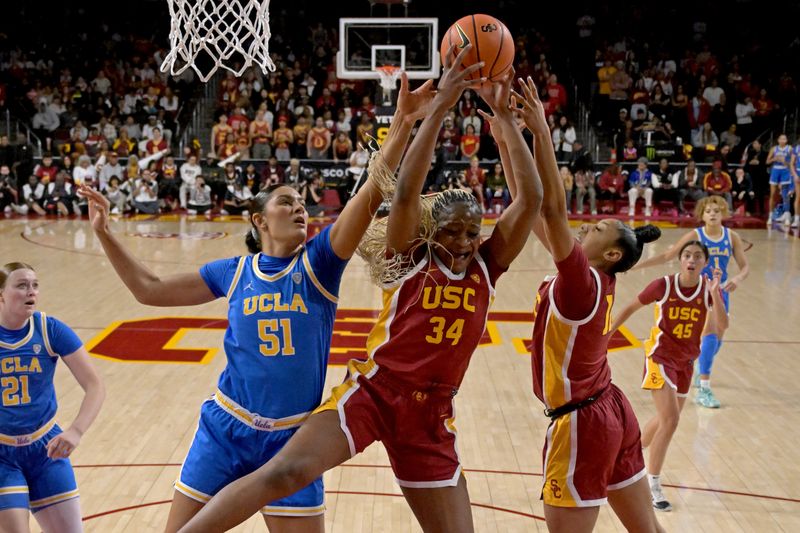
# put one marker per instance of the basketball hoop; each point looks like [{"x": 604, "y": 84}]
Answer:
[
  {"x": 389, "y": 75},
  {"x": 231, "y": 34}
]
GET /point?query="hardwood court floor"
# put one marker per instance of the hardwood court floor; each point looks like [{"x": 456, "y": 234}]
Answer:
[{"x": 733, "y": 469}]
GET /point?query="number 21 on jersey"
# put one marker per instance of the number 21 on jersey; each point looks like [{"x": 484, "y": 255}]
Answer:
[{"x": 15, "y": 390}]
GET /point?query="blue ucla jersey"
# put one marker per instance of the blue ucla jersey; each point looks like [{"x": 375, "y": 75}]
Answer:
[
  {"x": 28, "y": 358},
  {"x": 280, "y": 322},
  {"x": 720, "y": 252},
  {"x": 796, "y": 152},
  {"x": 786, "y": 152}
]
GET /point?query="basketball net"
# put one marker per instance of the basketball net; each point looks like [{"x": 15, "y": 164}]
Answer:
[
  {"x": 232, "y": 34},
  {"x": 389, "y": 75}
]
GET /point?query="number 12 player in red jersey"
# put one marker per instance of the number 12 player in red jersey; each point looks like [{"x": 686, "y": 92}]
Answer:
[{"x": 592, "y": 452}]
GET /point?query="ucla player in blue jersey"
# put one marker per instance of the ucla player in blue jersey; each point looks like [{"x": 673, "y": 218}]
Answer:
[
  {"x": 35, "y": 472},
  {"x": 723, "y": 244},
  {"x": 281, "y": 308},
  {"x": 795, "y": 168},
  {"x": 780, "y": 178}
]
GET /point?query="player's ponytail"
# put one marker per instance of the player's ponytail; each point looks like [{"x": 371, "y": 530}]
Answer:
[
  {"x": 257, "y": 205},
  {"x": 632, "y": 242},
  {"x": 8, "y": 268}
]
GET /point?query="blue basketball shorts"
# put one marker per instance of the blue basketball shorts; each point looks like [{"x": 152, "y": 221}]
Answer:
[
  {"x": 780, "y": 176},
  {"x": 225, "y": 449},
  {"x": 31, "y": 480}
]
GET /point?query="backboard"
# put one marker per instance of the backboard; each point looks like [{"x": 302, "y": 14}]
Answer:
[{"x": 411, "y": 44}]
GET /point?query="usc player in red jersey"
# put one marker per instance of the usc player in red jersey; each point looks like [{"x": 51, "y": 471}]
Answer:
[
  {"x": 592, "y": 451},
  {"x": 434, "y": 315},
  {"x": 681, "y": 313}
]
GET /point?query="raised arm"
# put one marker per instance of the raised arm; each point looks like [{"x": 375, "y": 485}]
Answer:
[
  {"x": 719, "y": 316},
  {"x": 511, "y": 231},
  {"x": 668, "y": 255},
  {"x": 554, "y": 205},
  {"x": 146, "y": 286},
  {"x": 404, "y": 217},
  {"x": 357, "y": 214}
]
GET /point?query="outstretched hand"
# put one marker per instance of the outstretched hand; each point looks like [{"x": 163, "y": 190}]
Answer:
[
  {"x": 453, "y": 81},
  {"x": 414, "y": 105},
  {"x": 715, "y": 281},
  {"x": 531, "y": 109},
  {"x": 496, "y": 94},
  {"x": 99, "y": 207}
]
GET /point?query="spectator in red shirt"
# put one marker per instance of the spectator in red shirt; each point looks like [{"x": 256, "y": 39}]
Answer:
[
  {"x": 475, "y": 178},
  {"x": 556, "y": 92},
  {"x": 719, "y": 183},
  {"x": 470, "y": 143},
  {"x": 699, "y": 110},
  {"x": 46, "y": 169}
]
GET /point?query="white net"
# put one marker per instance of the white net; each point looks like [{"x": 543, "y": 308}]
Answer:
[
  {"x": 388, "y": 75},
  {"x": 211, "y": 34}
]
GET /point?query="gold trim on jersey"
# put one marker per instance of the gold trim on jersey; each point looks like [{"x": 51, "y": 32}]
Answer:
[
  {"x": 236, "y": 276},
  {"x": 315, "y": 281},
  {"x": 256, "y": 421},
  {"x": 46, "y": 337},
  {"x": 22, "y": 341},
  {"x": 30, "y": 438},
  {"x": 279, "y": 275}
]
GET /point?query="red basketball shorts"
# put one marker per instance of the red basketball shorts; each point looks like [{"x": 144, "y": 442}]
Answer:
[
  {"x": 415, "y": 425},
  {"x": 592, "y": 450},
  {"x": 677, "y": 377}
]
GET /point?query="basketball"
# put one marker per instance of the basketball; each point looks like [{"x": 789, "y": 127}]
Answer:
[{"x": 491, "y": 42}]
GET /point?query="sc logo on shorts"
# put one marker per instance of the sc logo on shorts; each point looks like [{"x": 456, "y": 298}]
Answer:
[{"x": 555, "y": 489}]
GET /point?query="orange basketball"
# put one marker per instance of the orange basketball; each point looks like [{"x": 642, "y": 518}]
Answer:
[{"x": 491, "y": 42}]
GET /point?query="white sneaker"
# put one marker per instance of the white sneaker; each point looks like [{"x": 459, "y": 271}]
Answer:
[
  {"x": 7, "y": 210},
  {"x": 648, "y": 211},
  {"x": 769, "y": 220},
  {"x": 223, "y": 212},
  {"x": 191, "y": 211},
  {"x": 594, "y": 211},
  {"x": 796, "y": 221},
  {"x": 632, "y": 211},
  {"x": 786, "y": 218},
  {"x": 660, "y": 503}
]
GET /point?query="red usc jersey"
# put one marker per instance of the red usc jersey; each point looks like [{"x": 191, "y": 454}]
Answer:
[
  {"x": 569, "y": 356},
  {"x": 679, "y": 320},
  {"x": 432, "y": 321}
]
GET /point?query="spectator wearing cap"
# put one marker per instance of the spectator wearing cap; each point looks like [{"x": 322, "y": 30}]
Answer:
[
  {"x": 719, "y": 183},
  {"x": 640, "y": 182}
]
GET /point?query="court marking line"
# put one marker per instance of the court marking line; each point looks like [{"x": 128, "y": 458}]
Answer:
[
  {"x": 339, "y": 492},
  {"x": 473, "y": 470}
]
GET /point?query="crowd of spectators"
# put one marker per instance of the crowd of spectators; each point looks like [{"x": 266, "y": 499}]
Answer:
[{"x": 114, "y": 118}]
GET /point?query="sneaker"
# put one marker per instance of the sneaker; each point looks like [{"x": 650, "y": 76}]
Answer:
[
  {"x": 769, "y": 220},
  {"x": 705, "y": 398},
  {"x": 594, "y": 211},
  {"x": 786, "y": 218},
  {"x": 648, "y": 211},
  {"x": 660, "y": 503},
  {"x": 796, "y": 221}
]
